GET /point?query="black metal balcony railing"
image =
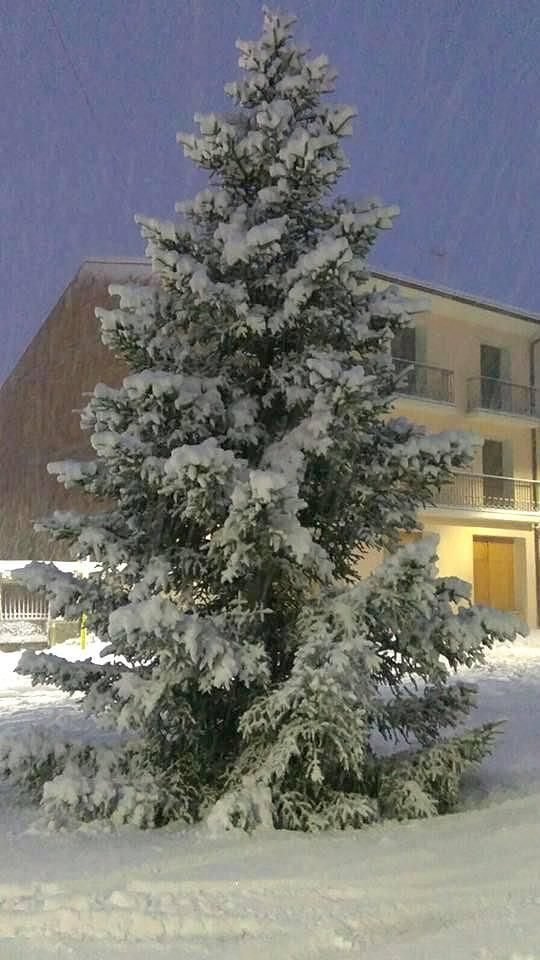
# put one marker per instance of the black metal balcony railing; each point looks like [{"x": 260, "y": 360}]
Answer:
[
  {"x": 487, "y": 393},
  {"x": 481, "y": 490},
  {"x": 419, "y": 380}
]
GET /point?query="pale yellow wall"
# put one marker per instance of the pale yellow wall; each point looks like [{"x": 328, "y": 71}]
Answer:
[
  {"x": 436, "y": 417},
  {"x": 454, "y": 332},
  {"x": 459, "y": 319},
  {"x": 369, "y": 563},
  {"x": 454, "y": 343},
  {"x": 506, "y": 431},
  {"x": 456, "y": 558},
  {"x": 455, "y": 552}
]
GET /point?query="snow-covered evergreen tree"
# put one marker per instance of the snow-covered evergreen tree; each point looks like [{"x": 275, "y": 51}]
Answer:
[{"x": 250, "y": 459}]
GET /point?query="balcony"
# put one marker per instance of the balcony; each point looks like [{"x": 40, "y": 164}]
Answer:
[
  {"x": 482, "y": 491},
  {"x": 486, "y": 394},
  {"x": 422, "y": 382}
]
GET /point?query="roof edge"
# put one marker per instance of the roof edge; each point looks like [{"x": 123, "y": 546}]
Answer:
[
  {"x": 126, "y": 260},
  {"x": 457, "y": 295},
  {"x": 424, "y": 286}
]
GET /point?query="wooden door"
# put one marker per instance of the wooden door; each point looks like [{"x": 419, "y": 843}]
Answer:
[
  {"x": 481, "y": 571},
  {"x": 493, "y": 565}
]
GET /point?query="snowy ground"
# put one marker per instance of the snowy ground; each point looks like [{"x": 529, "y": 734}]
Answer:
[{"x": 464, "y": 886}]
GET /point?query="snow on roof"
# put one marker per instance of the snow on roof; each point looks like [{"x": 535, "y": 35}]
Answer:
[
  {"x": 115, "y": 267},
  {"x": 107, "y": 266}
]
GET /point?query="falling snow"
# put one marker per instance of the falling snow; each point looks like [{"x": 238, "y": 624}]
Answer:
[{"x": 445, "y": 139}]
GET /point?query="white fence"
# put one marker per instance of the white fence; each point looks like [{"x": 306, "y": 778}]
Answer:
[{"x": 18, "y": 604}]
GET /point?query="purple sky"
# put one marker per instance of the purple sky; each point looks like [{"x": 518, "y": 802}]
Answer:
[{"x": 449, "y": 128}]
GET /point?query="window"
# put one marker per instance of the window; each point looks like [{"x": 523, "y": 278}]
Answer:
[
  {"x": 490, "y": 361},
  {"x": 404, "y": 344},
  {"x": 497, "y": 470},
  {"x": 495, "y": 375},
  {"x": 493, "y": 458}
]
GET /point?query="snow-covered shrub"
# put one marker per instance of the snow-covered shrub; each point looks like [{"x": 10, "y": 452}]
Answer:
[
  {"x": 82, "y": 781},
  {"x": 251, "y": 459}
]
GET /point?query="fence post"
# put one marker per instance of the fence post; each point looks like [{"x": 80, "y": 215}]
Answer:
[
  {"x": 51, "y": 627},
  {"x": 83, "y": 631}
]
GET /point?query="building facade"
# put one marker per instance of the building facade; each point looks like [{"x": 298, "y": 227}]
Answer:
[
  {"x": 470, "y": 365},
  {"x": 466, "y": 365},
  {"x": 40, "y": 403}
]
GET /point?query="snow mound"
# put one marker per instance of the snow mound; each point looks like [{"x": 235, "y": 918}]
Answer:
[{"x": 461, "y": 887}]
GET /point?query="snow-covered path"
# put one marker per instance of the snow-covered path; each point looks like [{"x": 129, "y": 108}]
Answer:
[{"x": 463, "y": 886}]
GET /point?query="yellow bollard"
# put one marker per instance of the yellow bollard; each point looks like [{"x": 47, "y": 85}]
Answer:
[{"x": 83, "y": 631}]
